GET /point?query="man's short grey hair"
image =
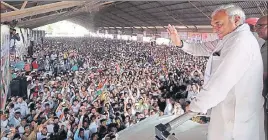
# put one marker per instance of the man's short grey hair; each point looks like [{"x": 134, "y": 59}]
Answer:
[{"x": 232, "y": 11}]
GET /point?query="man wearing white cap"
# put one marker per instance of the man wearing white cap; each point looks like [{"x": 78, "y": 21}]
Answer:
[{"x": 252, "y": 22}]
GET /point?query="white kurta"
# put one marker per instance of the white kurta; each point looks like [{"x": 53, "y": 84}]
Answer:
[{"x": 233, "y": 86}]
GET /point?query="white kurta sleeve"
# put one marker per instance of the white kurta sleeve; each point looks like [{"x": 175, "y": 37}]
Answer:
[
  {"x": 199, "y": 49},
  {"x": 229, "y": 72}
]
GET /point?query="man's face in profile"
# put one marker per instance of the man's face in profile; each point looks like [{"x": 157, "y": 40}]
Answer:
[
  {"x": 261, "y": 27},
  {"x": 222, "y": 24}
]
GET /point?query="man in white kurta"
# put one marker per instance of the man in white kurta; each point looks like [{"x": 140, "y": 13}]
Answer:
[{"x": 233, "y": 81}]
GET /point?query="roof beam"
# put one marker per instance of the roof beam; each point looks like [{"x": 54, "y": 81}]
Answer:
[
  {"x": 51, "y": 18},
  {"x": 44, "y": 18},
  {"x": 127, "y": 21},
  {"x": 111, "y": 20},
  {"x": 117, "y": 8},
  {"x": 156, "y": 19},
  {"x": 9, "y": 6},
  {"x": 57, "y": 16},
  {"x": 200, "y": 10},
  {"x": 264, "y": 3},
  {"x": 104, "y": 24},
  {"x": 134, "y": 17},
  {"x": 38, "y": 10},
  {"x": 148, "y": 2},
  {"x": 44, "y": 22},
  {"x": 191, "y": 16},
  {"x": 24, "y": 4},
  {"x": 107, "y": 22},
  {"x": 259, "y": 8},
  {"x": 172, "y": 16},
  {"x": 118, "y": 23},
  {"x": 186, "y": 8},
  {"x": 80, "y": 21},
  {"x": 204, "y": 6}
]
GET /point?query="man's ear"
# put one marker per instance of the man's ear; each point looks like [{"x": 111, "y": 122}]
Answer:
[{"x": 237, "y": 19}]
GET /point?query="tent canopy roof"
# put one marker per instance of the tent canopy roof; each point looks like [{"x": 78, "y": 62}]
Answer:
[{"x": 137, "y": 15}]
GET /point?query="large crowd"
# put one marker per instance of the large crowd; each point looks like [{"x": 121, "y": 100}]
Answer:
[{"x": 91, "y": 88}]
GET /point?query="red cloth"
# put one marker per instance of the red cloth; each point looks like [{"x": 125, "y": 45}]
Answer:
[
  {"x": 35, "y": 65},
  {"x": 35, "y": 94},
  {"x": 36, "y": 87}
]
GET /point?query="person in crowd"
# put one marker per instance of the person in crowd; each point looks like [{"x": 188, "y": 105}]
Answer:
[
  {"x": 14, "y": 37},
  {"x": 252, "y": 24},
  {"x": 229, "y": 89},
  {"x": 261, "y": 28}
]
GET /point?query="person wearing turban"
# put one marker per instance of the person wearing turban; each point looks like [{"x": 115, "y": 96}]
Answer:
[{"x": 252, "y": 22}]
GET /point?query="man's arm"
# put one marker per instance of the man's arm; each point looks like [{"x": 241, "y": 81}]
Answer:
[
  {"x": 224, "y": 79},
  {"x": 199, "y": 49},
  {"x": 196, "y": 49},
  {"x": 16, "y": 37}
]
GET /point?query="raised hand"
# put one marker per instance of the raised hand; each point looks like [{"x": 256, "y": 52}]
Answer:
[
  {"x": 68, "y": 126},
  {"x": 174, "y": 36},
  {"x": 187, "y": 108}
]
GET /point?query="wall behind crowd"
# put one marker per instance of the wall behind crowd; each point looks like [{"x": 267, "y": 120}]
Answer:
[{"x": 4, "y": 71}]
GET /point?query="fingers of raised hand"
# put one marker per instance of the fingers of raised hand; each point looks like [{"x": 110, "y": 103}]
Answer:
[{"x": 169, "y": 29}]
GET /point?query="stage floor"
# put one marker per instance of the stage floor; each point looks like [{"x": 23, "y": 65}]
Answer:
[{"x": 145, "y": 130}]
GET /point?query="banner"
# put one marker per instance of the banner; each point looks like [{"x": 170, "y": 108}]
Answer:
[
  {"x": 204, "y": 37},
  {"x": 194, "y": 37},
  {"x": 139, "y": 37},
  {"x": 209, "y": 37},
  {"x": 183, "y": 35},
  {"x": 144, "y": 33},
  {"x": 164, "y": 35},
  {"x": 5, "y": 74}
]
